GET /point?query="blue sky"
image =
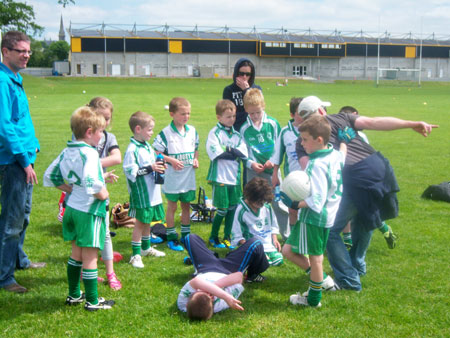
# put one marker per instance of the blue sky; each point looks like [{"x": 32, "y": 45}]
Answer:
[{"x": 397, "y": 17}]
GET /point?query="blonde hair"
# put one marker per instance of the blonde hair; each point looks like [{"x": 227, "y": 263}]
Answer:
[
  {"x": 141, "y": 119},
  {"x": 101, "y": 102},
  {"x": 254, "y": 97},
  {"x": 178, "y": 102},
  {"x": 84, "y": 118},
  {"x": 223, "y": 105}
]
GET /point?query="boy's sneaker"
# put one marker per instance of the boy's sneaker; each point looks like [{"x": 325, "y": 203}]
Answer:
[
  {"x": 102, "y": 304},
  {"x": 174, "y": 245},
  {"x": 216, "y": 243},
  {"x": 298, "y": 299},
  {"x": 227, "y": 243},
  {"x": 152, "y": 252},
  {"x": 328, "y": 284},
  {"x": 156, "y": 239},
  {"x": 390, "y": 237},
  {"x": 75, "y": 301},
  {"x": 136, "y": 261},
  {"x": 257, "y": 278}
]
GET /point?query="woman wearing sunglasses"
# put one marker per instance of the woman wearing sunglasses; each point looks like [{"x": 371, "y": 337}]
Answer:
[{"x": 243, "y": 79}]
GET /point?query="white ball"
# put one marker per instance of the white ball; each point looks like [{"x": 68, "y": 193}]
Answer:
[
  {"x": 84, "y": 92},
  {"x": 296, "y": 185},
  {"x": 166, "y": 107}
]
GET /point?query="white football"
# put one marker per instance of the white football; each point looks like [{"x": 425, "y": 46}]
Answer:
[{"x": 296, "y": 185}]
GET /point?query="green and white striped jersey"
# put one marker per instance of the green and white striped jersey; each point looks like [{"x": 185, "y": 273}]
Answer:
[
  {"x": 285, "y": 149},
  {"x": 325, "y": 172},
  {"x": 182, "y": 147},
  {"x": 79, "y": 165},
  {"x": 248, "y": 224},
  {"x": 260, "y": 141},
  {"x": 144, "y": 193},
  {"x": 221, "y": 170}
]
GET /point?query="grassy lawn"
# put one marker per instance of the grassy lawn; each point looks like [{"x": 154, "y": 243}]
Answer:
[{"x": 406, "y": 290}]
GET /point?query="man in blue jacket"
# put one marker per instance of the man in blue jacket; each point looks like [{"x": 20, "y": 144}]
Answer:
[{"x": 18, "y": 148}]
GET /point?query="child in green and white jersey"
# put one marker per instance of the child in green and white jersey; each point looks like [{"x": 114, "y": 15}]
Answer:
[
  {"x": 226, "y": 149},
  {"x": 78, "y": 171},
  {"x": 178, "y": 142}
]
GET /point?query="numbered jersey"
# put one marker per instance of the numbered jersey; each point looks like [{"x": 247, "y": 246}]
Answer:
[
  {"x": 79, "y": 166},
  {"x": 181, "y": 147},
  {"x": 325, "y": 172},
  {"x": 261, "y": 141}
]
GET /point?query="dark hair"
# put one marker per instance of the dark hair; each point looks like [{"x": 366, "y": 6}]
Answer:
[
  {"x": 317, "y": 125},
  {"x": 294, "y": 103},
  {"x": 258, "y": 190},
  {"x": 199, "y": 306},
  {"x": 11, "y": 38},
  {"x": 349, "y": 110}
]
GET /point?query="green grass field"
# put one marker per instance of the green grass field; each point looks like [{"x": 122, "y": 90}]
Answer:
[{"x": 406, "y": 290}]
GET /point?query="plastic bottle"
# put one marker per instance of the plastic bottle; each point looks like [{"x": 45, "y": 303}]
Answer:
[
  {"x": 277, "y": 194},
  {"x": 208, "y": 202},
  {"x": 159, "y": 177}
]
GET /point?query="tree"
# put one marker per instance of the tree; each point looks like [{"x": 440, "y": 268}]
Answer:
[
  {"x": 66, "y": 2},
  {"x": 18, "y": 16},
  {"x": 58, "y": 50}
]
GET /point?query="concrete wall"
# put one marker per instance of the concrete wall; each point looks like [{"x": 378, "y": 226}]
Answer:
[{"x": 179, "y": 65}]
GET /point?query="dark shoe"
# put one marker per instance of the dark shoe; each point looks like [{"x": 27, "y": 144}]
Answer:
[
  {"x": 37, "y": 265},
  {"x": 14, "y": 287},
  {"x": 102, "y": 305},
  {"x": 75, "y": 301},
  {"x": 255, "y": 279}
]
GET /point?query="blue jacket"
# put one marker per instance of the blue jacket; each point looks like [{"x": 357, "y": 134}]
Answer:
[{"x": 18, "y": 140}]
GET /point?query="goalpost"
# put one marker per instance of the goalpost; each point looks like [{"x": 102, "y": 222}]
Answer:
[{"x": 398, "y": 76}]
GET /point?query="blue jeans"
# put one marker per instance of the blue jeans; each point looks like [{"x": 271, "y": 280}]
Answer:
[
  {"x": 15, "y": 199},
  {"x": 347, "y": 265}
]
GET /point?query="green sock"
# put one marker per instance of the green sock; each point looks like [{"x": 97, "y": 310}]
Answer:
[
  {"x": 314, "y": 293},
  {"x": 90, "y": 285},
  {"x": 384, "y": 228},
  {"x": 136, "y": 247},
  {"x": 73, "y": 277},
  {"x": 185, "y": 230},
  {"x": 145, "y": 242},
  {"x": 217, "y": 221},
  {"x": 171, "y": 234},
  {"x": 229, "y": 222}
]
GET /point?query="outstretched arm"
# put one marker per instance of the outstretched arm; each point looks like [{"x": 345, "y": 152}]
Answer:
[
  {"x": 217, "y": 291},
  {"x": 393, "y": 123}
]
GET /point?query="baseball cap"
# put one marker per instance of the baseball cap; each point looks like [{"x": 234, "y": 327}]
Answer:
[{"x": 310, "y": 104}]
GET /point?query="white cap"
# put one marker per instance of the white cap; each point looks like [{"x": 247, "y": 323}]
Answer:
[{"x": 309, "y": 105}]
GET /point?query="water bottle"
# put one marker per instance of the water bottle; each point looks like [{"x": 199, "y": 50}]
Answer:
[
  {"x": 208, "y": 202},
  {"x": 159, "y": 177},
  {"x": 277, "y": 197}
]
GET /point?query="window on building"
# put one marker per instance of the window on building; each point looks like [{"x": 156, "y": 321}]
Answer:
[
  {"x": 94, "y": 69},
  {"x": 268, "y": 44},
  {"x": 78, "y": 68}
]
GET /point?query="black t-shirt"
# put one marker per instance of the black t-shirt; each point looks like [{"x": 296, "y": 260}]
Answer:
[{"x": 357, "y": 149}]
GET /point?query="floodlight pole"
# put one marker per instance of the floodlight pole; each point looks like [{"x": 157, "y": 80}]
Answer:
[
  {"x": 378, "y": 52},
  {"x": 420, "y": 55}
]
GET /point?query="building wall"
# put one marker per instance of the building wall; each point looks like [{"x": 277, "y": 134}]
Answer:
[{"x": 209, "y": 65}]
